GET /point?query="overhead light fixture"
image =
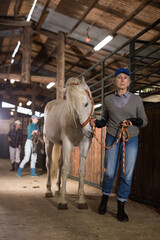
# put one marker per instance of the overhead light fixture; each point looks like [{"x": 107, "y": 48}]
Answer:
[
  {"x": 16, "y": 49},
  {"x": 12, "y": 61},
  {"x": 31, "y": 11},
  {"x": 7, "y": 105},
  {"x": 12, "y": 81},
  {"x": 88, "y": 39},
  {"x": 103, "y": 42},
  {"x": 5, "y": 79},
  {"x": 20, "y": 104},
  {"x": 29, "y": 103},
  {"x": 51, "y": 84},
  {"x": 11, "y": 113}
]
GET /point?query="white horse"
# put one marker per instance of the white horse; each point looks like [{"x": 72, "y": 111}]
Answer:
[{"x": 67, "y": 124}]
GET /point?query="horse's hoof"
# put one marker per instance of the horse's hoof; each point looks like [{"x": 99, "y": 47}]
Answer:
[
  {"x": 57, "y": 192},
  {"x": 49, "y": 194},
  {"x": 62, "y": 206},
  {"x": 82, "y": 206}
]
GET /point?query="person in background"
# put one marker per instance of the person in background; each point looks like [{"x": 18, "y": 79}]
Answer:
[
  {"x": 31, "y": 129},
  {"x": 15, "y": 144},
  {"x": 120, "y": 108}
]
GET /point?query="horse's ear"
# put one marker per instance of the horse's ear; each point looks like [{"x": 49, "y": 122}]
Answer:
[{"x": 83, "y": 80}]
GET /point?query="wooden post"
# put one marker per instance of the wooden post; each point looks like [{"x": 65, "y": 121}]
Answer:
[
  {"x": 60, "y": 64},
  {"x": 26, "y": 58},
  {"x": 15, "y": 113},
  {"x": 33, "y": 97}
]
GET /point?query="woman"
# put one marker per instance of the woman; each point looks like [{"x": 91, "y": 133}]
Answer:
[
  {"x": 120, "y": 108},
  {"x": 15, "y": 143},
  {"x": 31, "y": 129}
]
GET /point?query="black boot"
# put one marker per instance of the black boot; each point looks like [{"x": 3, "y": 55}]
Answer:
[
  {"x": 121, "y": 215},
  {"x": 103, "y": 204},
  {"x": 13, "y": 167},
  {"x": 16, "y": 166}
]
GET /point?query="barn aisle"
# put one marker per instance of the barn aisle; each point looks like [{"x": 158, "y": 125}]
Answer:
[{"x": 26, "y": 214}]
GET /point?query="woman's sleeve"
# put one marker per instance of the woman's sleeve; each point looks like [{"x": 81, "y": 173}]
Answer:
[
  {"x": 141, "y": 113},
  {"x": 29, "y": 131},
  {"x": 99, "y": 123}
]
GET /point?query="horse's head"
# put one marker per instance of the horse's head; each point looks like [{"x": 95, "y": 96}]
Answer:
[{"x": 79, "y": 97}]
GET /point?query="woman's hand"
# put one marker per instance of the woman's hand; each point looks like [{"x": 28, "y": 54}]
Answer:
[
  {"x": 126, "y": 123},
  {"x": 35, "y": 131},
  {"x": 93, "y": 122}
]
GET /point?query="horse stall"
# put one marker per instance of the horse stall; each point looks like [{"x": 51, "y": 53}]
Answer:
[{"x": 48, "y": 47}]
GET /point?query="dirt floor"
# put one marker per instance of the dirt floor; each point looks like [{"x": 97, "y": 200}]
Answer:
[{"x": 26, "y": 214}]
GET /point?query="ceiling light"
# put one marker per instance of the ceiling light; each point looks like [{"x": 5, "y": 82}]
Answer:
[
  {"x": 7, "y": 105},
  {"x": 31, "y": 11},
  {"x": 29, "y": 103},
  {"x": 20, "y": 104},
  {"x": 12, "y": 61},
  {"x": 103, "y": 43},
  {"x": 51, "y": 84},
  {"x": 12, "y": 81},
  {"x": 16, "y": 49},
  {"x": 88, "y": 39},
  {"x": 5, "y": 79},
  {"x": 12, "y": 113}
]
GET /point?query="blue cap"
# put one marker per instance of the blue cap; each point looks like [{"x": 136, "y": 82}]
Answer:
[
  {"x": 34, "y": 116},
  {"x": 121, "y": 70}
]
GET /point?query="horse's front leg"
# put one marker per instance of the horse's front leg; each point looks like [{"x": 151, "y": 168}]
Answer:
[
  {"x": 67, "y": 147},
  {"x": 84, "y": 148},
  {"x": 48, "y": 149}
]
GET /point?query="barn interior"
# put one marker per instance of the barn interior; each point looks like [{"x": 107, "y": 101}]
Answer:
[
  {"x": 29, "y": 44},
  {"x": 46, "y": 42}
]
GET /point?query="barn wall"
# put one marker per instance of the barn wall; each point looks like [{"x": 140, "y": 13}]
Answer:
[
  {"x": 146, "y": 178},
  {"x": 93, "y": 161}
]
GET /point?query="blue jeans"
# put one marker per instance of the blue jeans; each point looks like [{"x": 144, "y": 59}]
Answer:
[
  {"x": 28, "y": 153},
  {"x": 113, "y": 157}
]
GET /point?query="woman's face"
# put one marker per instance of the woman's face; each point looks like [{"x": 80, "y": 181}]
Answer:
[
  {"x": 122, "y": 81},
  {"x": 35, "y": 120}
]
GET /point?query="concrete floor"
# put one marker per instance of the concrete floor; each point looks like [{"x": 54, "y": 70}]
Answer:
[{"x": 26, "y": 214}]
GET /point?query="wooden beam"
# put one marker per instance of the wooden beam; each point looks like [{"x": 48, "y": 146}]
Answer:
[
  {"x": 119, "y": 14},
  {"x": 40, "y": 79},
  {"x": 43, "y": 79},
  {"x": 60, "y": 64},
  {"x": 17, "y": 7},
  {"x": 26, "y": 58},
  {"x": 10, "y": 76},
  {"x": 82, "y": 18},
  {"x": 134, "y": 13},
  {"x": 14, "y": 23},
  {"x": 44, "y": 15}
]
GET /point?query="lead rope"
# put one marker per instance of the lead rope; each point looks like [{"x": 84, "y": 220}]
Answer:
[{"x": 122, "y": 134}]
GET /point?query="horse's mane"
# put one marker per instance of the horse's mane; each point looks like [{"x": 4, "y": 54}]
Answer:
[{"x": 75, "y": 89}]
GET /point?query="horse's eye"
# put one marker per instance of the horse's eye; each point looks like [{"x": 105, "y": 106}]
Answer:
[{"x": 86, "y": 104}]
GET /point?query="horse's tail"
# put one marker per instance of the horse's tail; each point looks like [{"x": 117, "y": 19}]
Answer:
[{"x": 56, "y": 152}]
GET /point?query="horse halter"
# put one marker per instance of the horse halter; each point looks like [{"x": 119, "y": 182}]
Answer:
[{"x": 92, "y": 104}]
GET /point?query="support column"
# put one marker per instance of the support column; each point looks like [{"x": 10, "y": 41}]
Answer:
[
  {"x": 26, "y": 57},
  {"x": 132, "y": 64},
  {"x": 15, "y": 113},
  {"x": 33, "y": 97},
  {"x": 60, "y": 64}
]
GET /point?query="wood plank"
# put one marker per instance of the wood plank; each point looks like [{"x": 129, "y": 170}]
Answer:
[{"x": 26, "y": 57}]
